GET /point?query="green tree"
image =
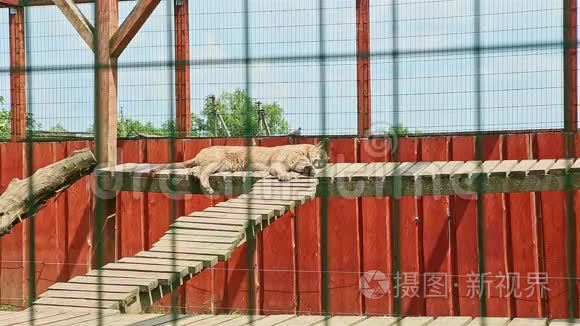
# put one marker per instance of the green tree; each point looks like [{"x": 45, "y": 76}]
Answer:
[
  {"x": 58, "y": 128},
  {"x": 232, "y": 107},
  {"x": 397, "y": 130},
  {"x": 6, "y": 118}
]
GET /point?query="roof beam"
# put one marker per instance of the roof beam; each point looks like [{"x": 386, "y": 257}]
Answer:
[
  {"x": 9, "y": 3},
  {"x": 131, "y": 26},
  {"x": 34, "y": 3},
  {"x": 77, "y": 19}
]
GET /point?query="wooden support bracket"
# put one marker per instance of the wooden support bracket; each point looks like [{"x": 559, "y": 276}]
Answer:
[
  {"x": 78, "y": 20},
  {"x": 129, "y": 28}
]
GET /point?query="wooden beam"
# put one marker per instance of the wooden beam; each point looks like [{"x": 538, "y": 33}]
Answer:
[
  {"x": 131, "y": 26},
  {"x": 77, "y": 19},
  {"x": 363, "y": 68},
  {"x": 107, "y": 18},
  {"x": 17, "y": 74},
  {"x": 570, "y": 66},
  {"x": 182, "y": 74},
  {"x": 36, "y": 3},
  {"x": 9, "y": 3}
]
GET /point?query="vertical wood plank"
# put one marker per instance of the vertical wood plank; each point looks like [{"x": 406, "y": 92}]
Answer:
[
  {"x": 277, "y": 258},
  {"x": 107, "y": 17},
  {"x": 199, "y": 294},
  {"x": 463, "y": 221},
  {"x": 12, "y": 278},
  {"x": 182, "y": 73},
  {"x": 522, "y": 220},
  {"x": 495, "y": 235},
  {"x": 17, "y": 74},
  {"x": 577, "y": 199},
  {"x": 411, "y": 262},
  {"x": 343, "y": 240},
  {"x": 570, "y": 58},
  {"x": 363, "y": 68},
  {"x": 131, "y": 205},
  {"x": 158, "y": 205},
  {"x": 552, "y": 203},
  {"x": 376, "y": 232},
  {"x": 439, "y": 297},
  {"x": 79, "y": 216},
  {"x": 308, "y": 253},
  {"x": 237, "y": 274},
  {"x": 50, "y": 243}
]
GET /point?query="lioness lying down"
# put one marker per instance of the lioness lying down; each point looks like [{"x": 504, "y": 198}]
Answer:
[{"x": 278, "y": 161}]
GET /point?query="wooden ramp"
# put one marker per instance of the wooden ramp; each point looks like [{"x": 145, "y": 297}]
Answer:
[
  {"x": 191, "y": 244},
  {"x": 369, "y": 179},
  {"x": 55, "y": 317}
]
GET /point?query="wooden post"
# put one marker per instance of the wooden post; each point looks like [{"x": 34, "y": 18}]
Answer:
[
  {"x": 363, "y": 68},
  {"x": 570, "y": 67},
  {"x": 106, "y": 121},
  {"x": 17, "y": 74},
  {"x": 182, "y": 77}
]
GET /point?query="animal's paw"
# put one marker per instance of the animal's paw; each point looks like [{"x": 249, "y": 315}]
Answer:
[
  {"x": 153, "y": 172},
  {"x": 207, "y": 190},
  {"x": 310, "y": 170},
  {"x": 284, "y": 177}
]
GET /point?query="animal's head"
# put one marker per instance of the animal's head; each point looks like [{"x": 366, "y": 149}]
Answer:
[{"x": 317, "y": 155}]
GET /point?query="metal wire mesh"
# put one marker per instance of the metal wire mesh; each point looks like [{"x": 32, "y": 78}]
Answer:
[{"x": 436, "y": 67}]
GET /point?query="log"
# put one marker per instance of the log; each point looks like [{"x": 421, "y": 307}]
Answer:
[{"x": 18, "y": 201}]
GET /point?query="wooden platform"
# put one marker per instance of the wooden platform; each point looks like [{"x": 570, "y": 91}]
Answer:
[
  {"x": 367, "y": 179},
  {"x": 192, "y": 243},
  {"x": 90, "y": 318}
]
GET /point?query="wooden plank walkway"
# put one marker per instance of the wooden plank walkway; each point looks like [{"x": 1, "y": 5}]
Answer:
[
  {"x": 192, "y": 243},
  {"x": 366, "y": 179},
  {"x": 90, "y": 318}
]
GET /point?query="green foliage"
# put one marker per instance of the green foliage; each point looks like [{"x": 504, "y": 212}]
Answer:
[
  {"x": 238, "y": 110},
  {"x": 232, "y": 107},
  {"x": 7, "y": 307},
  {"x": 5, "y": 122},
  {"x": 397, "y": 131},
  {"x": 58, "y": 128},
  {"x": 235, "y": 109}
]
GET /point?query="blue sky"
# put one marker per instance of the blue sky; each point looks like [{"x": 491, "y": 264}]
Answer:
[{"x": 520, "y": 89}]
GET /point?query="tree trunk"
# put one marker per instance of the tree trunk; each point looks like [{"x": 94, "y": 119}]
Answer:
[{"x": 25, "y": 197}]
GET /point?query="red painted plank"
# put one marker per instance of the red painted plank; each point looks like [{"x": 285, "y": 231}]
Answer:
[
  {"x": 11, "y": 265},
  {"x": 191, "y": 147},
  {"x": 343, "y": 240},
  {"x": 495, "y": 235},
  {"x": 277, "y": 263},
  {"x": 182, "y": 70},
  {"x": 235, "y": 286},
  {"x": 17, "y": 75},
  {"x": 237, "y": 280},
  {"x": 158, "y": 206},
  {"x": 363, "y": 68},
  {"x": 376, "y": 236},
  {"x": 464, "y": 226},
  {"x": 199, "y": 296},
  {"x": 410, "y": 242},
  {"x": 50, "y": 226},
  {"x": 79, "y": 213},
  {"x": 131, "y": 205},
  {"x": 277, "y": 260},
  {"x": 551, "y": 145},
  {"x": 308, "y": 253},
  {"x": 437, "y": 279},
  {"x": 577, "y": 208},
  {"x": 524, "y": 237}
]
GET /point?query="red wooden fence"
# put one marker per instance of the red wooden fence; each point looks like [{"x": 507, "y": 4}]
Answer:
[{"x": 524, "y": 233}]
